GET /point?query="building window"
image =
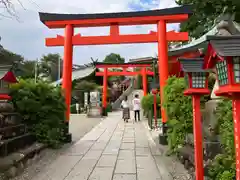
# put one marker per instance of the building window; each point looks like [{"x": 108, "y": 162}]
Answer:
[{"x": 221, "y": 67}]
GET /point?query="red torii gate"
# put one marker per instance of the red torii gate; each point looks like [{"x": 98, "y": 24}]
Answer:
[
  {"x": 114, "y": 20},
  {"x": 144, "y": 73}
]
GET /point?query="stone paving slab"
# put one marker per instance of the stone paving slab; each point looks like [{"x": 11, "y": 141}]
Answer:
[
  {"x": 125, "y": 166},
  {"x": 82, "y": 170},
  {"x": 113, "y": 150},
  {"x": 124, "y": 177},
  {"x": 107, "y": 161},
  {"x": 100, "y": 173}
]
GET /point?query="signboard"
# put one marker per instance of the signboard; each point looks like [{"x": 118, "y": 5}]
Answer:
[{"x": 93, "y": 98}]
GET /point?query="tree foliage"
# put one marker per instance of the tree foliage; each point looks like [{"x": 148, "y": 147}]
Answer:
[
  {"x": 81, "y": 87},
  {"x": 42, "y": 107},
  {"x": 114, "y": 58},
  {"x": 49, "y": 66},
  {"x": 223, "y": 165},
  {"x": 205, "y": 13}
]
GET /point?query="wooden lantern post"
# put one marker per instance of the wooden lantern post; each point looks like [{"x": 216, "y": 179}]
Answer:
[{"x": 197, "y": 86}]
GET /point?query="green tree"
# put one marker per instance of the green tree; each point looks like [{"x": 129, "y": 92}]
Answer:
[
  {"x": 42, "y": 107},
  {"x": 8, "y": 57},
  {"x": 81, "y": 87},
  {"x": 205, "y": 12},
  {"x": 26, "y": 69},
  {"x": 114, "y": 58},
  {"x": 49, "y": 66}
]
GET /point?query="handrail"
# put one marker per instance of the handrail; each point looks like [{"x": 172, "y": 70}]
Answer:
[{"x": 127, "y": 92}]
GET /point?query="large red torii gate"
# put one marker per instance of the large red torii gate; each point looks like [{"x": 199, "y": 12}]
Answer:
[{"x": 114, "y": 20}]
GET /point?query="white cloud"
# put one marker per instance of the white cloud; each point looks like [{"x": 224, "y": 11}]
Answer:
[{"x": 27, "y": 36}]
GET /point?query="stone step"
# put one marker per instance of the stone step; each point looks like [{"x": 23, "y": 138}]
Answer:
[
  {"x": 13, "y": 164},
  {"x": 12, "y": 131},
  {"x": 11, "y": 145}
]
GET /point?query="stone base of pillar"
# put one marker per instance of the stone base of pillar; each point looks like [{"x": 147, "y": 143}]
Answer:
[
  {"x": 163, "y": 139},
  {"x": 67, "y": 135},
  {"x": 94, "y": 112},
  {"x": 163, "y": 136},
  {"x": 104, "y": 112}
]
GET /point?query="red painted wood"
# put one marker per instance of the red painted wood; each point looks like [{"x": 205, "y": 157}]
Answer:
[
  {"x": 162, "y": 63},
  {"x": 144, "y": 81},
  {"x": 122, "y": 65},
  {"x": 104, "y": 95},
  {"x": 115, "y": 38},
  {"x": 236, "y": 118},
  {"x": 67, "y": 68},
  {"x": 197, "y": 130},
  {"x": 111, "y": 73}
]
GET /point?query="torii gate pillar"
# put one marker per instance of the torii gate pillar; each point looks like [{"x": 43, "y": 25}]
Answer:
[
  {"x": 162, "y": 62},
  {"x": 67, "y": 68}
]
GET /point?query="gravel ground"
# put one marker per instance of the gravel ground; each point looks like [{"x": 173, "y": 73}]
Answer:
[{"x": 79, "y": 126}]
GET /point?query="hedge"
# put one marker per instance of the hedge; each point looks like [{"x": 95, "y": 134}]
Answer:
[
  {"x": 179, "y": 112},
  {"x": 42, "y": 107}
]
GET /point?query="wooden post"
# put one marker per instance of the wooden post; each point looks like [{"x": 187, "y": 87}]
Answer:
[{"x": 197, "y": 130}]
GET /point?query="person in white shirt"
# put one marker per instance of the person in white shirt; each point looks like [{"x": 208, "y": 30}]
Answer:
[
  {"x": 126, "y": 111},
  {"x": 136, "y": 107},
  {"x": 77, "y": 108}
]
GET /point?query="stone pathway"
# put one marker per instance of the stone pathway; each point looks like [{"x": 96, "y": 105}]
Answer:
[{"x": 113, "y": 150}]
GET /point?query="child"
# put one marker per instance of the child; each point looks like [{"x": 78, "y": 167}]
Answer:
[
  {"x": 126, "y": 111},
  {"x": 136, "y": 107}
]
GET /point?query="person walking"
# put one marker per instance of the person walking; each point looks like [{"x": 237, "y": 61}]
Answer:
[
  {"x": 77, "y": 107},
  {"x": 136, "y": 107},
  {"x": 126, "y": 111}
]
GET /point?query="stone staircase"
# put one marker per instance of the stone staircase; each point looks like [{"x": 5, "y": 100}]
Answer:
[
  {"x": 127, "y": 92},
  {"x": 13, "y": 133},
  {"x": 16, "y": 143}
]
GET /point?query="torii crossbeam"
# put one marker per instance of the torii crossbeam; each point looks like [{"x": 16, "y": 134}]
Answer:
[{"x": 114, "y": 20}]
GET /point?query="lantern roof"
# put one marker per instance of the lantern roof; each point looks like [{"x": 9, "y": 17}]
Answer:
[
  {"x": 225, "y": 45},
  {"x": 220, "y": 47},
  {"x": 192, "y": 64}
]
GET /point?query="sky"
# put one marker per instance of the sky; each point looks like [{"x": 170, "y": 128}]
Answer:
[{"x": 26, "y": 35}]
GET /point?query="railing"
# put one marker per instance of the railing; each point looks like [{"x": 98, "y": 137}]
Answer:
[{"x": 127, "y": 92}]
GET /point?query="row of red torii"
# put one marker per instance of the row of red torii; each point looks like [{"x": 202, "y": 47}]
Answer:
[
  {"x": 114, "y": 20},
  {"x": 222, "y": 59}
]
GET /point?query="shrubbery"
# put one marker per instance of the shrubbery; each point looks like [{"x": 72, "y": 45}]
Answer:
[
  {"x": 42, "y": 107},
  {"x": 223, "y": 166},
  {"x": 147, "y": 101},
  {"x": 179, "y": 111}
]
